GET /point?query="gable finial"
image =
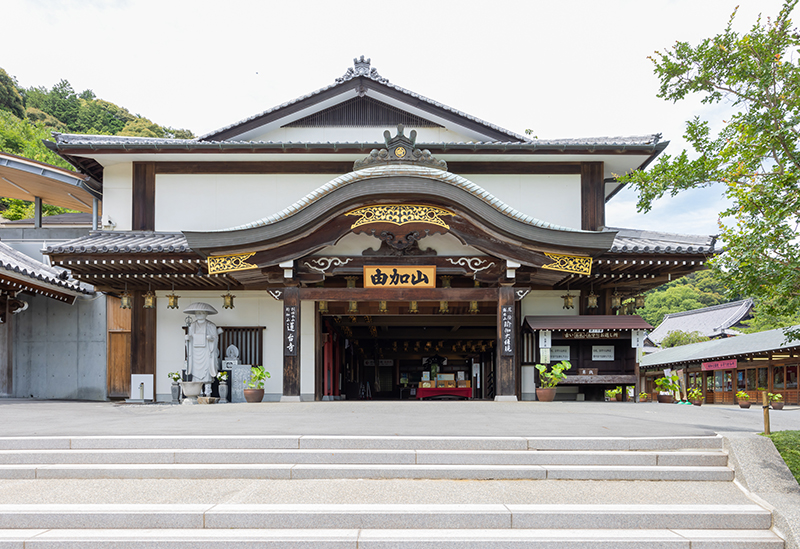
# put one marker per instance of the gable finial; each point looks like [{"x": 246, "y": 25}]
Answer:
[
  {"x": 402, "y": 150},
  {"x": 361, "y": 67}
]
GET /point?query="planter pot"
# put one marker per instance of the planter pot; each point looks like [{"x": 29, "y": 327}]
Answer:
[
  {"x": 546, "y": 395},
  {"x": 744, "y": 404},
  {"x": 223, "y": 392},
  {"x": 777, "y": 405},
  {"x": 191, "y": 390},
  {"x": 254, "y": 395},
  {"x": 665, "y": 399},
  {"x": 618, "y": 398},
  {"x": 697, "y": 402},
  {"x": 176, "y": 393}
]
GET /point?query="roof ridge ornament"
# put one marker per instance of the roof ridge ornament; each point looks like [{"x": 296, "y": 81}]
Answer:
[
  {"x": 400, "y": 150},
  {"x": 362, "y": 68}
]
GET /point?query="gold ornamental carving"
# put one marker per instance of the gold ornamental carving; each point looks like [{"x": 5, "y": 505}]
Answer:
[
  {"x": 230, "y": 263},
  {"x": 569, "y": 263},
  {"x": 400, "y": 214}
]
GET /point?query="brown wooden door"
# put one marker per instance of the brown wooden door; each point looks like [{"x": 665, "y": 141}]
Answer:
[{"x": 118, "y": 369}]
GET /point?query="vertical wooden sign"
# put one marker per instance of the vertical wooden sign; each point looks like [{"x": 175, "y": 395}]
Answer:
[
  {"x": 507, "y": 330},
  {"x": 290, "y": 330}
]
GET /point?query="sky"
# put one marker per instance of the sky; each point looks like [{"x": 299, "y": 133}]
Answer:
[{"x": 565, "y": 69}]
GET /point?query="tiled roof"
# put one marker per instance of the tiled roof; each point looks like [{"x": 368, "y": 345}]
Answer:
[
  {"x": 709, "y": 321},
  {"x": 363, "y": 70},
  {"x": 99, "y": 142},
  {"x": 748, "y": 344},
  {"x": 587, "y": 322},
  {"x": 642, "y": 241},
  {"x": 17, "y": 263},
  {"x": 123, "y": 242}
]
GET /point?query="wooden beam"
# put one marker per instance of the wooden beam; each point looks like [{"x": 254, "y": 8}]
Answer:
[
  {"x": 143, "y": 339},
  {"x": 398, "y": 294},
  {"x": 144, "y": 197}
]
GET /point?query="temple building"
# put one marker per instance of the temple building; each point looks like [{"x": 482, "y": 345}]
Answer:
[{"x": 357, "y": 238}]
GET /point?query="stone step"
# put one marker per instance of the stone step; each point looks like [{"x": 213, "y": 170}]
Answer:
[
  {"x": 364, "y": 471},
  {"x": 441, "y": 457},
  {"x": 386, "y": 539},
  {"x": 408, "y": 516},
  {"x": 362, "y": 443}
]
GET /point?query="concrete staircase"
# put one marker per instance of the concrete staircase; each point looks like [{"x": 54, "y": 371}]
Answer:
[{"x": 692, "y": 461}]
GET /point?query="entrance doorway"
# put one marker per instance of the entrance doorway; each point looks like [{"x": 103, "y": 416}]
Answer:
[{"x": 386, "y": 356}]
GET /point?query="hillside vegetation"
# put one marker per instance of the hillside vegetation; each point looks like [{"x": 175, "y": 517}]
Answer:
[{"x": 29, "y": 115}]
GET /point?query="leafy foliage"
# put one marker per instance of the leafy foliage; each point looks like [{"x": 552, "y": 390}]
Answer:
[
  {"x": 554, "y": 376},
  {"x": 755, "y": 155},
  {"x": 23, "y": 138},
  {"x": 676, "y": 338},
  {"x": 10, "y": 99},
  {"x": 695, "y": 291}
]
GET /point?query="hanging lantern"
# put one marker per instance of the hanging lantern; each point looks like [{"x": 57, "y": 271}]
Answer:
[
  {"x": 323, "y": 307},
  {"x": 172, "y": 299},
  {"x": 125, "y": 299},
  {"x": 473, "y": 305},
  {"x": 444, "y": 307},
  {"x": 383, "y": 307},
  {"x": 568, "y": 304},
  {"x": 639, "y": 300},
  {"x": 591, "y": 301},
  {"x": 227, "y": 300},
  {"x": 352, "y": 307},
  {"x": 446, "y": 281},
  {"x": 616, "y": 300},
  {"x": 149, "y": 299},
  {"x": 413, "y": 307}
]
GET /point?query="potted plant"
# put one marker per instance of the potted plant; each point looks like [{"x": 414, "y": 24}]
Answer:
[
  {"x": 667, "y": 386},
  {"x": 695, "y": 395},
  {"x": 614, "y": 394},
  {"x": 176, "y": 389},
  {"x": 743, "y": 399},
  {"x": 222, "y": 377},
  {"x": 254, "y": 387},
  {"x": 776, "y": 400},
  {"x": 643, "y": 396},
  {"x": 546, "y": 391}
]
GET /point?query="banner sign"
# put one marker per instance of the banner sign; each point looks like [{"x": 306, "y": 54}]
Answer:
[
  {"x": 396, "y": 276},
  {"x": 637, "y": 338},
  {"x": 507, "y": 330},
  {"x": 545, "y": 338},
  {"x": 603, "y": 352},
  {"x": 719, "y": 365},
  {"x": 591, "y": 334}
]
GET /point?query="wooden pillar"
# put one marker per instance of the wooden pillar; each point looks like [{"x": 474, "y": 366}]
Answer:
[
  {"x": 37, "y": 213},
  {"x": 291, "y": 345},
  {"x": 143, "y": 214},
  {"x": 593, "y": 203},
  {"x": 143, "y": 339},
  {"x": 506, "y": 383}
]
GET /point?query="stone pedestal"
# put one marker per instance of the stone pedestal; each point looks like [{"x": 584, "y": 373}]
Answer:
[{"x": 239, "y": 374}]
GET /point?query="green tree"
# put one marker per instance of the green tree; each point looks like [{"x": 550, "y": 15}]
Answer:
[
  {"x": 10, "y": 99},
  {"x": 755, "y": 156},
  {"x": 677, "y": 338},
  {"x": 23, "y": 138},
  {"x": 695, "y": 291}
]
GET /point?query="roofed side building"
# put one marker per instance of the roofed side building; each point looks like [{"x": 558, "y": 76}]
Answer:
[{"x": 713, "y": 322}]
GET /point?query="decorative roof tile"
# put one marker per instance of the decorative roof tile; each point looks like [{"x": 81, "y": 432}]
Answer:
[
  {"x": 710, "y": 321},
  {"x": 123, "y": 242},
  {"x": 637, "y": 241},
  {"x": 16, "y": 262}
]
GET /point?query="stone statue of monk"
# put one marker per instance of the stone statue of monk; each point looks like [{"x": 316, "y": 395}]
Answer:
[{"x": 202, "y": 352}]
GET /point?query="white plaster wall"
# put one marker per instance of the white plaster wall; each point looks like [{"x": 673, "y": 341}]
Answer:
[
  {"x": 359, "y": 135},
  {"x": 353, "y": 244},
  {"x": 207, "y": 202},
  {"x": 547, "y": 302},
  {"x": 251, "y": 309},
  {"x": 551, "y": 198},
  {"x": 117, "y": 186}
]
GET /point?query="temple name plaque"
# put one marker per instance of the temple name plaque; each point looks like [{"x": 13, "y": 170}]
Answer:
[{"x": 397, "y": 276}]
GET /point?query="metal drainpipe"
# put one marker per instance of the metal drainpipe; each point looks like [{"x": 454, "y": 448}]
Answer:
[
  {"x": 95, "y": 211},
  {"x": 37, "y": 213}
]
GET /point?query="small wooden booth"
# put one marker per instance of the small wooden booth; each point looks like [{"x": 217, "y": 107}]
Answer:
[{"x": 603, "y": 351}]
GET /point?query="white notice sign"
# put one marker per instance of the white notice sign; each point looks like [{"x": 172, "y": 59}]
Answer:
[
  {"x": 637, "y": 339},
  {"x": 545, "y": 337},
  {"x": 559, "y": 353},
  {"x": 603, "y": 352},
  {"x": 544, "y": 356}
]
